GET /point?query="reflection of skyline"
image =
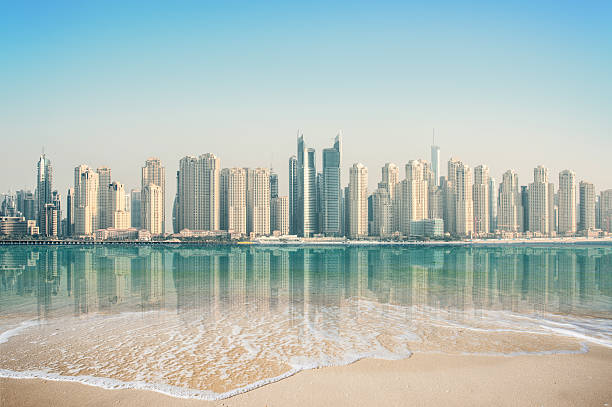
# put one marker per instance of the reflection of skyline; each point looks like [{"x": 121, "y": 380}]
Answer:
[{"x": 209, "y": 282}]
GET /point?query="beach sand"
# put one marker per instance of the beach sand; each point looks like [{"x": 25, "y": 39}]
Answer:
[{"x": 422, "y": 380}]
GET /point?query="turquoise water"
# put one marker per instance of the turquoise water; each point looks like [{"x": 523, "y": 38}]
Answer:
[{"x": 210, "y": 322}]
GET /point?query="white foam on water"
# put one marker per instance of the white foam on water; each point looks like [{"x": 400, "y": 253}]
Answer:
[
  {"x": 6, "y": 335},
  {"x": 167, "y": 353}
]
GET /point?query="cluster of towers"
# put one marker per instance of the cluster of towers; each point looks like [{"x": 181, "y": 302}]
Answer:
[{"x": 465, "y": 202}]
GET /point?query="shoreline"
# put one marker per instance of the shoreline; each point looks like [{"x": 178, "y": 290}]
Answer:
[
  {"x": 520, "y": 242},
  {"x": 423, "y": 379}
]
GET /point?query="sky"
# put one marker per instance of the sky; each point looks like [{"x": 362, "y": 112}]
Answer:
[{"x": 508, "y": 84}]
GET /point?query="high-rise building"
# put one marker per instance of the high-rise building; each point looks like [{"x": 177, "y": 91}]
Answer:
[
  {"x": 50, "y": 226},
  {"x": 480, "y": 197},
  {"x": 464, "y": 204},
  {"x": 553, "y": 210},
  {"x": 258, "y": 201},
  {"x": 199, "y": 193},
  {"x": 435, "y": 164},
  {"x": 358, "y": 201},
  {"x": 293, "y": 194},
  {"x": 414, "y": 196},
  {"x": 135, "y": 200},
  {"x": 493, "y": 196},
  {"x": 587, "y": 206},
  {"x": 119, "y": 215},
  {"x": 510, "y": 206},
  {"x": 104, "y": 208},
  {"x": 70, "y": 212},
  {"x": 273, "y": 184},
  {"x": 86, "y": 189},
  {"x": 234, "y": 200},
  {"x": 450, "y": 196},
  {"x": 381, "y": 212},
  {"x": 539, "y": 216},
  {"x": 567, "y": 202},
  {"x": 152, "y": 204},
  {"x": 524, "y": 218},
  {"x": 279, "y": 207},
  {"x": 391, "y": 181},
  {"x": 307, "y": 190},
  {"x": 153, "y": 173},
  {"x": 605, "y": 210},
  {"x": 44, "y": 186},
  {"x": 331, "y": 189}
]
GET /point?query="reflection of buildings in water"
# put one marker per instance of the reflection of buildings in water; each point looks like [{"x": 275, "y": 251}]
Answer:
[{"x": 306, "y": 279}]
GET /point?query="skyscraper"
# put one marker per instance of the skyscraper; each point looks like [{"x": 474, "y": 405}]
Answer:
[
  {"x": 493, "y": 196},
  {"x": 293, "y": 194},
  {"x": 435, "y": 164},
  {"x": 567, "y": 202},
  {"x": 358, "y": 201},
  {"x": 510, "y": 207},
  {"x": 152, "y": 203},
  {"x": 332, "y": 161},
  {"x": 136, "y": 199},
  {"x": 605, "y": 210},
  {"x": 199, "y": 193},
  {"x": 44, "y": 186},
  {"x": 273, "y": 184},
  {"x": 104, "y": 210},
  {"x": 539, "y": 217},
  {"x": 153, "y": 173},
  {"x": 464, "y": 204},
  {"x": 414, "y": 196},
  {"x": 258, "y": 201},
  {"x": 381, "y": 212},
  {"x": 391, "y": 181},
  {"x": 86, "y": 189},
  {"x": 117, "y": 211},
  {"x": 480, "y": 196},
  {"x": 307, "y": 190},
  {"x": 587, "y": 206},
  {"x": 279, "y": 207},
  {"x": 234, "y": 200},
  {"x": 70, "y": 212}
]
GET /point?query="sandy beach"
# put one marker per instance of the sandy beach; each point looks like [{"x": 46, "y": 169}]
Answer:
[{"x": 422, "y": 380}]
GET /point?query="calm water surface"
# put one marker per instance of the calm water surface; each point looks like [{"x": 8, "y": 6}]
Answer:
[{"x": 212, "y": 322}]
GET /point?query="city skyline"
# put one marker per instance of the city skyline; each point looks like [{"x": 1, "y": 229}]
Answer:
[{"x": 95, "y": 88}]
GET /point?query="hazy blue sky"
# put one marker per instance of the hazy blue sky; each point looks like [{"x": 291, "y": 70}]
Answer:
[{"x": 510, "y": 85}]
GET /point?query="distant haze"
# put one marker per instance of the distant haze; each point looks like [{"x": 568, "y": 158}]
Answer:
[{"x": 105, "y": 84}]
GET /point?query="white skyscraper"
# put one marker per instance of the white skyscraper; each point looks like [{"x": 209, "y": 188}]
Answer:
[
  {"x": 539, "y": 208},
  {"x": 391, "y": 181},
  {"x": 119, "y": 215},
  {"x": 258, "y": 201},
  {"x": 198, "y": 191},
  {"x": 358, "y": 201},
  {"x": 414, "y": 195},
  {"x": 104, "y": 209},
  {"x": 86, "y": 190},
  {"x": 480, "y": 196},
  {"x": 234, "y": 200},
  {"x": 567, "y": 202},
  {"x": 464, "y": 204},
  {"x": 154, "y": 173},
  {"x": 508, "y": 215},
  {"x": 382, "y": 212},
  {"x": 152, "y": 202},
  {"x": 587, "y": 206},
  {"x": 306, "y": 209},
  {"x": 493, "y": 195},
  {"x": 279, "y": 208}
]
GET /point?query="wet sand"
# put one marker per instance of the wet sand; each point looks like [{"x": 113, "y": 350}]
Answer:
[{"x": 422, "y": 380}]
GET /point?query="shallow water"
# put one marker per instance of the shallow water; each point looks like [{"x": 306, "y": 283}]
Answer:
[{"x": 212, "y": 322}]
